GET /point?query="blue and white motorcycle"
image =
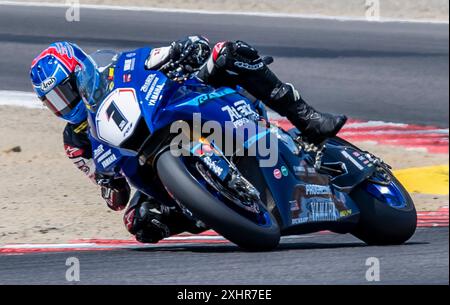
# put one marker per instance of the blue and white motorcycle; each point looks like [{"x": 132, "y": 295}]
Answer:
[{"x": 336, "y": 187}]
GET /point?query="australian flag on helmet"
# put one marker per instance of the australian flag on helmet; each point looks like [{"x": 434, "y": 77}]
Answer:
[{"x": 53, "y": 79}]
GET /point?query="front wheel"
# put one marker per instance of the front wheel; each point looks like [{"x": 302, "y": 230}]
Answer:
[
  {"x": 205, "y": 205},
  {"x": 388, "y": 215}
]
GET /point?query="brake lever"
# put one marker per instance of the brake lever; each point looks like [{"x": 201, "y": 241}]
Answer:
[
  {"x": 268, "y": 60},
  {"x": 166, "y": 66},
  {"x": 176, "y": 70}
]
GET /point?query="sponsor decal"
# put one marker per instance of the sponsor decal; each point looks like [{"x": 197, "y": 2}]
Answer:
[
  {"x": 81, "y": 128},
  {"x": 294, "y": 205},
  {"x": 216, "y": 169},
  {"x": 129, "y": 55},
  {"x": 127, "y": 78},
  {"x": 128, "y": 64},
  {"x": 128, "y": 129},
  {"x": 108, "y": 161},
  {"x": 104, "y": 155},
  {"x": 111, "y": 74},
  {"x": 240, "y": 113},
  {"x": 48, "y": 84},
  {"x": 353, "y": 160},
  {"x": 111, "y": 86},
  {"x": 362, "y": 159},
  {"x": 153, "y": 89},
  {"x": 284, "y": 171},
  {"x": 98, "y": 151},
  {"x": 155, "y": 95},
  {"x": 277, "y": 174},
  {"x": 309, "y": 175},
  {"x": 296, "y": 211},
  {"x": 210, "y": 96},
  {"x": 105, "y": 158},
  {"x": 323, "y": 210},
  {"x": 299, "y": 170},
  {"x": 311, "y": 170},
  {"x": 147, "y": 83},
  {"x": 156, "y": 52},
  {"x": 318, "y": 203},
  {"x": 245, "y": 109},
  {"x": 300, "y": 220},
  {"x": 345, "y": 213},
  {"x": 314, "y": 190}
]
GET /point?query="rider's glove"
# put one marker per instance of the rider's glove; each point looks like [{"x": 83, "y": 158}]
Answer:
[
  {"x": 192, "y": 51},
  {"x": 238, "y": 57},
  {"x": 115, "y": 191}
]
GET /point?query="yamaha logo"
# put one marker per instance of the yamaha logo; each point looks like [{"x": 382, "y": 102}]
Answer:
[{"x": 48, "y": 84}]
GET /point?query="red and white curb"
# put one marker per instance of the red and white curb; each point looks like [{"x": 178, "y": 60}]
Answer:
[
  {"x": 412, "y": 137},
  {"x": 209, "y": 237},
  {"x": 434, "y": 219}
]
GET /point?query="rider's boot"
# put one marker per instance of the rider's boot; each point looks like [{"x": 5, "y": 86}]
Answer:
[{"x": 315, "y": 126}]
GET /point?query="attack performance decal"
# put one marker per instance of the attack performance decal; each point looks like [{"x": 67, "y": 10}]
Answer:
[{"x": 241, "y": 113}]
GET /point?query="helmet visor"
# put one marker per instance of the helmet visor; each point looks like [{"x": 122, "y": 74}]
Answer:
[{"x": 63, "y": 98}]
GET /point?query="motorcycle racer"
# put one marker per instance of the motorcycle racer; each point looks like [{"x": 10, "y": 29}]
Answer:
[{"x": 228, "y": 64}]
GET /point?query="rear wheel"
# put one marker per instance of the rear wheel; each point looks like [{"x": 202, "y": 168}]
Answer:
[
  {"x": 388, "y": 215},
  {"x": 215, "y": 206}
]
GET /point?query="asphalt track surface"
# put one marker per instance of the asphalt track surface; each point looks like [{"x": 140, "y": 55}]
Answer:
[
  {"x": 373, "y": 71},
  {"x": 311, "y": 259}
]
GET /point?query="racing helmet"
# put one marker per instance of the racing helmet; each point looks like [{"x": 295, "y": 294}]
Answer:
[{"x": 53, "y": 78}]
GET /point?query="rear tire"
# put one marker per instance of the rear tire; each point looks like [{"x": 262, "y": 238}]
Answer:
[
  {"x": 381, "y": 224},
  {"x": 185, "y": 188}
]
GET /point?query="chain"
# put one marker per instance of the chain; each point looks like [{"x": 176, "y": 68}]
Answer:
[{"x": 312, "y": 148}]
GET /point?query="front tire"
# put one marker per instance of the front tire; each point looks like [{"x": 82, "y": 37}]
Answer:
[
  {"x": 197, "y": 199},
  {"x": 381, "y": 223}
]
